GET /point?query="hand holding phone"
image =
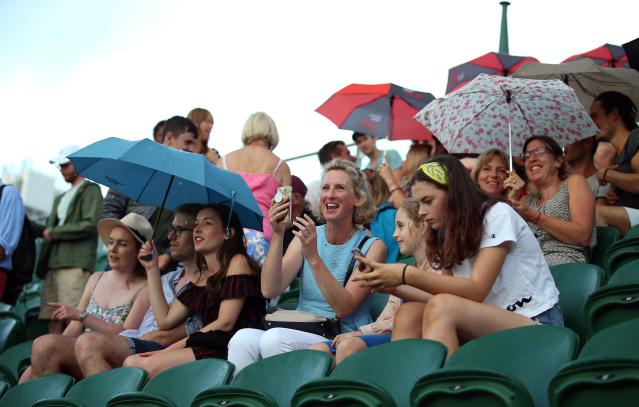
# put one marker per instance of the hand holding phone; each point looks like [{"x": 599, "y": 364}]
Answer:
[{"x": 282, "y": 194}]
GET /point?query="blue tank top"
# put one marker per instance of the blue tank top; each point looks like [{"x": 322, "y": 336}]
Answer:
[{"x": 337, "y": 258}]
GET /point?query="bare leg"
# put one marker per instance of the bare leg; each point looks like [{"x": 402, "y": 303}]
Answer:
[
  {"x": 54, "y": 354},
  {"x": 55, "y": 327},
  {"x": 408, "y": 321},
  {"x": 322, "y": 347},
  {"x": 454, "y": 320},
  {"x": 615, "y": 216},
  {"x": 25, "y": 376},
  {"x": 98, "y": 352},
  {"x": 347, "y": 347},
  {"x": 161, "y": 360}
]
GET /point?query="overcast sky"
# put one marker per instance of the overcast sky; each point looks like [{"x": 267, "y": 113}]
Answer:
[{"x": 80, "y": 71}]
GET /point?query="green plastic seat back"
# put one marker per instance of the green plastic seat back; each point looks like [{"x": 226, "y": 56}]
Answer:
[
  {"x": 97, "y": 390},
  {"x": 11, "y": 331},
  {"x": 530, "y": 354},
  {"x": 378, "y": 302},
  {"x": 606, "y": 236},
  {"x": 16, "y": 358},
  {"x": 605, "y": 373},
  {"x": 575, "y": 282},
  {"x": 617, "y": 301},
  {"x": 28, "y": 393},
  {"x": 182, "y": 383},
  {"x": 628, "y": 273},
  {"x": 394, "y": 366},
  {"x": 280, "y": 375},
  {"x": 618, "y": 341},
  {"x": 621, "y": 252},
  {"x": 632, "y": 233},
  {"x": 290, "y": 296}
]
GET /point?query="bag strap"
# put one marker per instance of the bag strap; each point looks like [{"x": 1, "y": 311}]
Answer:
[
  {"x": 351, "y": 266},
  {"x": 1, "y": 189}
]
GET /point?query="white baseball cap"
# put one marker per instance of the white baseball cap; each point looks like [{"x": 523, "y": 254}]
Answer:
[{"x": 61, "y": 158}]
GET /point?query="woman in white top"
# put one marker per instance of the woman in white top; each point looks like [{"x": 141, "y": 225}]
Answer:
[{"x": 500, "y": 277}]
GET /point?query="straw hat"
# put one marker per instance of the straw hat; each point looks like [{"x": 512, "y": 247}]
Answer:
[{"x": 139, "y": 227}]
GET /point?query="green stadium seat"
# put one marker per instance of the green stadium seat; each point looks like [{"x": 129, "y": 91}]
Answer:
[
  {"x": 289, "y": 297},
  {"x": 11, "y": 331},
  {"x": 29, "y": 393},
  {"x": 177, "y": 387},
  {"x": 615, "y": 302},
  {"x": 97, "y": 390},
  {"x": 619, "y": 253},
  {"x": 14, "y": 360},
  {"x": 605, "y": 373},
  {"x": 576, "y": 281},
  {"x": 606, "y": 236},
  {"x": 379, "y": 376},
  {"x": 378, "y": 303},
  {"x": 268, "y": 382},
  {"x": 509, "y": 368}
]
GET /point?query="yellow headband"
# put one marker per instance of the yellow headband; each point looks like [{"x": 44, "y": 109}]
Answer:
[{"x": 435, "y": 171}]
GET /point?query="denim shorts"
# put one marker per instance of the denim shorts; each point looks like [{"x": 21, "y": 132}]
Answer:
[
  {"x": 370, "y": 340},
  {"x": 552, "y": 316},
  {"x": 140, "y": 345}
]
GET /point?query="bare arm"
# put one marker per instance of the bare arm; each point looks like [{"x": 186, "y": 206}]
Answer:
[
  {"x": 75, "y": 328},
  {"x": 487, "y": 266},
  {"x": 623, "y": 180},
  {"x": 581, "y": 203},
  {"x": 279, "y": 270},
  {"x": 166, "y": 316}
]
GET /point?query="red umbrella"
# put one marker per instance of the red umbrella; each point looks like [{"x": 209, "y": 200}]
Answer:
[
  {"x": 608, "y": 55},
  {"x": 384, "y": 110},
  {"x": 492, "y": 63}
]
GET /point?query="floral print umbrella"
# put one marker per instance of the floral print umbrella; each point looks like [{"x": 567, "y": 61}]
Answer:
[{"x": 502, "y": 112}]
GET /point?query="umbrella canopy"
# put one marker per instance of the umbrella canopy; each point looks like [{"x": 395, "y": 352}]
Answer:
[
  {"x": 155, "y": 174},
  {"x": 384, "y": 110},
  {"x": 608, "y": 55},
  {"x": 492, "y": 63},
  {"x": 587, "y": 78},
  {"x": 497, "y": 112}
]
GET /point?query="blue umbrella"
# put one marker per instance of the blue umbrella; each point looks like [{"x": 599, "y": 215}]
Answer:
[{"x": 157, "y": 175}]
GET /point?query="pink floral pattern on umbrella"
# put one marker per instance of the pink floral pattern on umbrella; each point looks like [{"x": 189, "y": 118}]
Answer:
[{"x": 475, "y": 118}]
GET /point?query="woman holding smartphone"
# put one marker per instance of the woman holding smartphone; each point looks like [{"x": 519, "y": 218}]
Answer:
[
  {"x": 323, "y": 253},
  {"x": 500, "y": 277}
]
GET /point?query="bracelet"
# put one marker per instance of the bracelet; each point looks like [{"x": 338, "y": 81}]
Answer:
[
  {"x": 404, "y": 274},
  {"x": 393, "y": 190},
  {"x": 536, "y": 222},
  {"x": 604, "y": 174}
]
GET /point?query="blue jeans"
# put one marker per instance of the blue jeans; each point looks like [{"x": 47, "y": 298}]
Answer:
[{"x": 552, "y": 316}]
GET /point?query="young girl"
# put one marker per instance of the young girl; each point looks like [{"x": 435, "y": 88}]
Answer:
[
  {"x": 227, "y": 294},
  {"x": 410, "y": 235},
  {"x": 500, "y": 277}
]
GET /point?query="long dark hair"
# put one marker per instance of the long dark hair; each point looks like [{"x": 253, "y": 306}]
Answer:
[
  {"x": 463, "y": 222},
  {"x": 232, "y": 246}
]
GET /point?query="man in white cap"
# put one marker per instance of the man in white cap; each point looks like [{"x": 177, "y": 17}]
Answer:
[{"x": 70, "y": 240}]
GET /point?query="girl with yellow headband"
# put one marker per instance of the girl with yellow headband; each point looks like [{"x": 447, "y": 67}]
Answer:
[{"x": 500, "y": 279}]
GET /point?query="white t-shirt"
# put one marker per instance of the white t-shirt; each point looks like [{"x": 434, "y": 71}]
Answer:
[{"x": 525, "y": 284}]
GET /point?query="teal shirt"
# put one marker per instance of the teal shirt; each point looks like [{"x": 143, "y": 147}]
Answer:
[{"x": 337, "y": 259}]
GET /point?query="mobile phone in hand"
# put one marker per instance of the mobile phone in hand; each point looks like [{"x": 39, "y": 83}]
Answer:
[
  {"x": 282, "y": 194},
  {"x": 357, "y": 252}
]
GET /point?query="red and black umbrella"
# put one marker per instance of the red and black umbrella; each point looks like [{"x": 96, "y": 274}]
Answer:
[
  {"x": 384, "y": 110},
  {"x": 608, "y": 55},
  {"x": 492, "y": 63}
]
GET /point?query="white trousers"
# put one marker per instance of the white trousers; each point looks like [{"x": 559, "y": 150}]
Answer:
[{"x": 249, "y": 345}]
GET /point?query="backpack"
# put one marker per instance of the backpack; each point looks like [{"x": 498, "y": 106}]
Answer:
[{"x": 24, "y": 256}]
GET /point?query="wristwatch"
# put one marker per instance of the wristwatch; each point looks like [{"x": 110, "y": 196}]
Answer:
[{"x": 83, "y": 316}]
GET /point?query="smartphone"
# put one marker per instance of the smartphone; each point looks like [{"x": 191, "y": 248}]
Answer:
[
  {"x": 357, "y": 252},
  {"x": 281, "y": 194}
]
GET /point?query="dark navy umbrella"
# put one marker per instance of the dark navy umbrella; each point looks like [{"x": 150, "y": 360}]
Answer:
[
  {"x": 154, "y": 174},
  {"x": 384, "y": 110},
  {"x": 492, "y": 63}
]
